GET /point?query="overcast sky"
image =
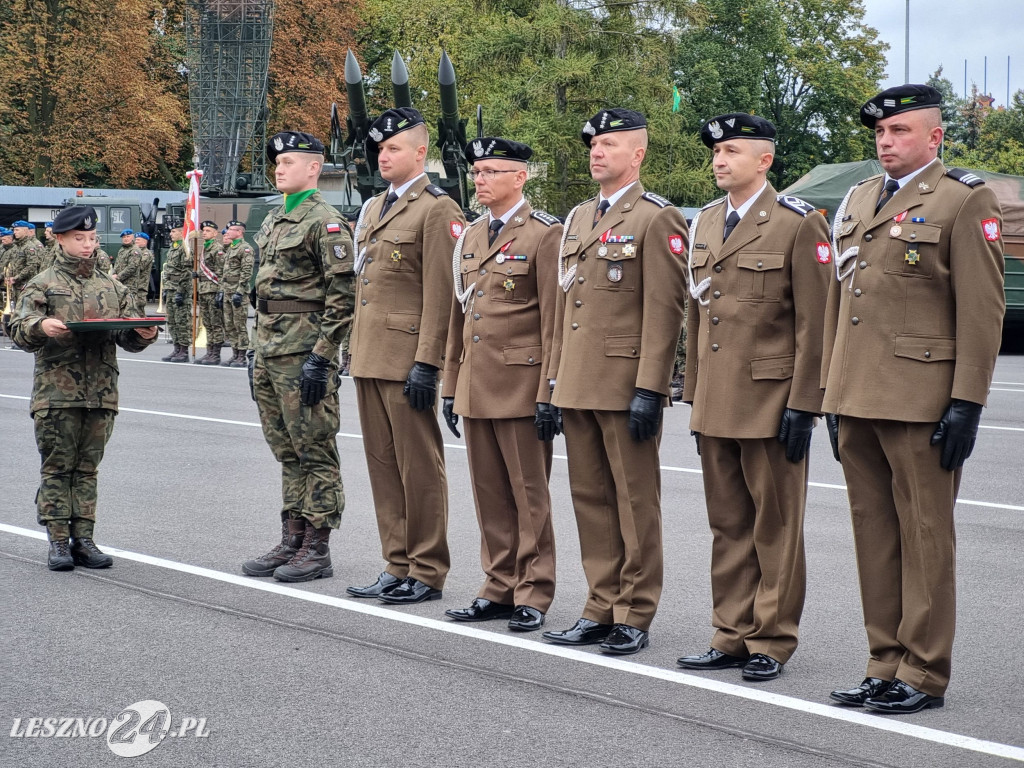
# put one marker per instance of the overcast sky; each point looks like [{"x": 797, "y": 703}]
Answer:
[{"x": 946, "y": 32}]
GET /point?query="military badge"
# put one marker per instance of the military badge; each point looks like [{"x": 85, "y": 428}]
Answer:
[
  {"x": 87, "y": 223},
  {"x": 456, "y": 229},
  {"x": 923, "y": 187},
  {"x": 589, "y": 129},
  {"x": 376, "y": 135},
  {"x": 675, "y": 244},
  {"x": 912, "y": 256},
  {"x": 500, "y": 258},
  {"x": 991, "y": 229},
  {"x": 518, "y": 219},
  {"x": 874, "y": 110},
  {"x": 278, "y": 143},
  {"x": 627, "y": 250},
  {"x": 478, "y": 148},
  {"x": 396, "y": 256},
  {"x": 715, "y": 130},
  {"x": 339, "y": 252},
  {"x": 602, "y": 251},
  {"x": 614, "y": 273},
  {"x": 333, "y": 227},
  {"x": 824, "y": 251},
  {"x": 895, "y": 230},
  {"x": 509, "y": 285}
]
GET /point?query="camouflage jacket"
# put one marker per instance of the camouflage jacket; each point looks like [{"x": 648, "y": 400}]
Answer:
[
  {"x": 238, "y": 260},
  {"x": 76, "y": 370},
  {"x": 141, "y": 285},
  {"x": 128, "y": 265},
  {"x": 48, "y": 257},
  {"x": 25, "y": 260},
  {"x": 177, "y": 273},
  {"x": 305, "y": 255},
  {"x": 213, "y": 258},
  {"x": 6, "y": 251},
  {"x": 103, "y": 262}
]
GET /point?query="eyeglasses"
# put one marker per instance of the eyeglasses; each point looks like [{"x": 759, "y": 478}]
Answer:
[{"x": 487, "y": 175}]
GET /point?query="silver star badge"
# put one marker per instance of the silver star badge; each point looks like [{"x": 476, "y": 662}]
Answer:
[
  {"x": 518, "y": 219},
  {"x": 922, "y": 186}
]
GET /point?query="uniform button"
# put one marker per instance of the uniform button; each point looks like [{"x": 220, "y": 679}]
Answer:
[
  {"x": 476, "y": 339},
  {"x": 529, "y": 360},
  {"x": 483, "y": 271},
  {"x": 868, "y": 237},
  {"x": 579, "y": 303},
  {"x": 863, "y": 265},
  {"x": 717, "y": 294},
  {"x": 583, "y": 257},
  {"x": 412, "y": 327},
  {"x": 855, "y": 321},
  {"x": 857, "y": 292},
  {"x": 581, "y": 280},
  {"x": 714, "y": 347},
  {"x": 927, "y": 354},
  {"x": 760, "y": 264},
  {"x": 575, "y": 326},
  {"x": 718, "y": 267},
  {"x": 369, "y": 260},
  {"x": 714, "y": 321},
  {"x": 476, "y": 315},
  {"x": 366, "y": 281},
  {"x": 479, "y": 293},
  {"x": 373, "y": 239},
  {"x": 364, "y": 302}
]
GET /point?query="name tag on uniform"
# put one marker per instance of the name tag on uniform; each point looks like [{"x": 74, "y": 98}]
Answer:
[
  {"x": 700, "y": 246},
  {"x": 572, "y": 237},
  {"x": 468, "y": 256}
]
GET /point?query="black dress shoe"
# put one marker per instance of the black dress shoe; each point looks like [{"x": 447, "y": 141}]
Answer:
[
  {"x": 902, "y": 699},
  {"x": 384, "y": 584},
  {"x": 481, "y": 610},
  {"x": 760, "y": 668},
  {"x": 88, "y": 555},
  {"x": 410, "y": 591},
  {"x": 713, "y": 659},
  {"x": 583, "y": 632},
  {"x": 526, "y": 619},
  {"x": 624, "y": 640},
  {"x": 871, "y": 688}
]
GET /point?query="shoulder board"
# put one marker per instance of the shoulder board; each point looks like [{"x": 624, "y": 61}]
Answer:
[
  {"x": 658, "y": 200},
  {"x": 544, "y": 218},
  {"x": 869, "y": 178},
  {"x": 477, "y": 220},
  {"x": 436, "y": 191},
  {"x": 795, "y": 204},
  {"x": 713, "y": 203},
  {"x": 966, "y": 177}
]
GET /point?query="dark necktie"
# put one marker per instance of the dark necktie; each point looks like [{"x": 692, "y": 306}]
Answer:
[
  {"x": 388, "y": 203},
  {"x": 730, "y": 225},
  {"x": 495, "y": 227},
  {"x": 602, "y": 209},
  {"x": 891, "y": 188}
]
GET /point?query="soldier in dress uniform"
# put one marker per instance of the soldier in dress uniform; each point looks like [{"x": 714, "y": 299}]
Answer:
[
  {"x": 303, "y": 305},
  {"x": 499, "y": 349},
  {"x": 912, "y": 332},
  {"x": 403, "y": 303},
  {"x": 759, "y": 268},
  {"x": 238, "y": 261},
  {"x": 74, "y": 388},
  {"x": 622, "y": 292},
  {"x": 211, "y": 296},
  {"x": 177, "y": 282}
]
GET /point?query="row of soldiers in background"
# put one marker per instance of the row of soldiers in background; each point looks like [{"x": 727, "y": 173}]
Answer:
[{"x": 224, "y": 269}]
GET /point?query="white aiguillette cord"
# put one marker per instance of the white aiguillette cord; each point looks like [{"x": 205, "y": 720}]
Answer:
[
  {"x": 698, "y": 291},
  {"x": 566, "y": 276}
]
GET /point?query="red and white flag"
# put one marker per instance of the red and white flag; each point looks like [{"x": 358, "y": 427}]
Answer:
[{"x": 191, "y": 224}]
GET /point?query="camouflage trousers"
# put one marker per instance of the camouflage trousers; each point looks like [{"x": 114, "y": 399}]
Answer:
[
  {"x": 680, "y": 365},
  {"x": 235, "y": 331},
  {"x": 179, "y": 321},
  {"x": 213, "y": 320},
  {"x": 71, "y": 442},
  {"x": 302, "y": 439}
]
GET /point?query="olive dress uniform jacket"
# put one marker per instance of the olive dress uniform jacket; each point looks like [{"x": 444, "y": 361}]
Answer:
[
  {"x": 918, "y": 320},
  {"x": 404, "y": 286},
  {"x": 755, "y": 349},
  {"x": 500, "y": 347},
  {"x": 619, "y": 320}
]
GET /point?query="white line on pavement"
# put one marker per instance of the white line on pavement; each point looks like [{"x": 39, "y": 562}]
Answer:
[{"x": 877, "y": 722}]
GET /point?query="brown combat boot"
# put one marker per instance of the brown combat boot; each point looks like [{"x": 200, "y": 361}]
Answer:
[
  {"x": 292, "y": 533},
  {"x": 239, "y": 361},
  {"x": 212, "y": 355},
  {"x": 201, "y": 360},
  {"x": 234, "y": 356},
  {"x": 312, "y": 561},
  {"x": 181, "y": 355},
  {"x": 170, "y": 357}
]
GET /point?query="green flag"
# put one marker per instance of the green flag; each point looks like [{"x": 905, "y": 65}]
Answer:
[{"x": 676, "y": 98}]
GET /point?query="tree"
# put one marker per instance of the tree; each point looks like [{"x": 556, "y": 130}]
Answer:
[{"x": 82, "y": 97}]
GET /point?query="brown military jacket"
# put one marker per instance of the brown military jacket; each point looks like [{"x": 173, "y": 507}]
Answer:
[
  {"x": 918, "y": 320},
  {"x": 619, "y": 320},
  {"x": 404, "y": 286},
  {"x": 756, "y": 348},
  {"x": 499, "y": 349}
]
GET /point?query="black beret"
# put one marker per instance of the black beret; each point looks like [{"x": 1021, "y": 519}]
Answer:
[
  {"x": 736, "y": 125},
  {"x": 497, "y": 148},
  {"x": 901, "y": 98},
  {"x": 391, "y": 123},
  {"x": 234, "y": 223},
  {"x": 610, "y": 120},
  {"x": 293, "y": 141},
  {"x": 78, "y": 217}
]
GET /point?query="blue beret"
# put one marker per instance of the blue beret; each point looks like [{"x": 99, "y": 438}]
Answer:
[
  {"x": 5, "y": 232},
  {"x": 143, "y": 235},
  {"x": 23, "y": 223},
  {"x": 48, "y": 224},
  {"x": 127, "y": 232}
]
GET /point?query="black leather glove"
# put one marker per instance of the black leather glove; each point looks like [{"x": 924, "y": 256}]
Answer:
[
  {"x": 421, "y": 386},
  {"x": 179, "y": 299},
  {"x": 195, "y": 275},
  {"x": 696, "y": 439},
  {"x": 313, "y": 381},
  {"x": 795, "y": 431},
  {"x": 450, "y": 416},
  {"x": 250, "y": 359},
  {"x": 236, "y": 299},
  {"x": 218, "y": 300},
  {"x": 252, "y": 297},
  {"x": 548, "y": 421},
  {"x": 959, "y": 429},
  {"x": 832, "y": 424},
  {"x": 644, "y": 414}
]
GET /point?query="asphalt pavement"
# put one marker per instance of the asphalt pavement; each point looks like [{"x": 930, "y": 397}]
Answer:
[{"x": 289, "y": 674}]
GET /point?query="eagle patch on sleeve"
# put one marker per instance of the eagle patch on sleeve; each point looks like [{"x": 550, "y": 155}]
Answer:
[
  {"x": 991, "y": 229},
  {"x": 824, "y": 253}
]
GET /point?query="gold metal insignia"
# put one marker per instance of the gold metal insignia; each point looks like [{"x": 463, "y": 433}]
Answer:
[
  {"x": 396, "y": 256},
  {"x": 912, "y": 256},
  {"x": 509, "y": 285}
]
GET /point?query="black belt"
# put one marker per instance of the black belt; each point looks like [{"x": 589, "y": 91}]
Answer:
[{"x": 286, "y": 307}]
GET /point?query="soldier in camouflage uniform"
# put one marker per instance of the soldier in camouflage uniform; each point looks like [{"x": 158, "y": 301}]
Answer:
[
  {"x": 679, "y": 368},
  {"x": 211, "y": 296},
  {"x": 127, "y": 246},
  {"x": 50, "y": 248},
  {"x": 304, "y": 290},
  {"x": 6, "y": 248},
  {"x": 128, "y": 266},
  {"x": 74, "y": 390},
  {"x": 24, "y": 259},
  {"x": 177, "y": 282},
  {"x": 141, "y": 287},
  {"x": 238, "y": 260}
]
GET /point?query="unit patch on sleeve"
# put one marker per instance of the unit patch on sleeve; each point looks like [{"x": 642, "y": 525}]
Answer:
[
  {"x": 333, "y": 227},
  {"x": 824, "y": 251},
  {"x": 991, "y": 229},
  {"x": 675, "y": 244}
]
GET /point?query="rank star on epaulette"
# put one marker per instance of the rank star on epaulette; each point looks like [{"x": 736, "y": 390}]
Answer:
[{"x": 435, "y": 190}]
